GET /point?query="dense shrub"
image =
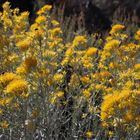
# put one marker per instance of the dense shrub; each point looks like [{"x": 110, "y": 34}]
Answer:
[{"x": 56, "y": 84}]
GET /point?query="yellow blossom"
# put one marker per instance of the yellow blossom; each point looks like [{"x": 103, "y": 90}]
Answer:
[
  {"x": 6, "y": 5},
  {"x": 91, "y": 51},
  {"x": 43, "y": 73},
  {"x": 89, "y": 134},
  {"x": 85, "y": 79},
  {"x": 99, "y": 87},
  {"x": 55, "y": 23},
  {"x": 124, "y": 102},
  {"x": 69, "y": 52},
  {"x": 56, "y": 96},
  {"x": 12, "y": 57},
  {"x": 109, "y": 38},
  {"x": 47, "y": 7},
  {"x": 113, "y": 65},
  {"x": 137, "y": 35},
  {"x": 44, "y": 9},
  {"x": 79, "y": 40},
  {"x": 6, "y": 101},
  {"x": 87, "y": 62},
  {"x": 105, "y": 74},
  {"x": 36, "y": 31},
  {"x": 17, "y": 87},
  {"x": 7, "y": 78},
  {"x": 24, "y": 44},
  {"x": 111, "y": 45},
  {"x": 110, "y": 133},
  {"x": 58, "y": 77},
  {"x": 40, "y": 19},
  {"x": 7, "y": 23},
  {"x": 86, "y": 93},
  {"x": 49, "y": 53},
  {"x": 121, "y": 36},
  {"x": 56, "y": 31},
  {"x": 21, "y": 70},
  {"x": 60, "y": 94},
  {"x": 116, "y": 28},
  {"x": 25, "y": 14},
  {"x": 137, "y": 66},
  {"x": 34, "y": 27},
  {"x": 65, "y": 61}
]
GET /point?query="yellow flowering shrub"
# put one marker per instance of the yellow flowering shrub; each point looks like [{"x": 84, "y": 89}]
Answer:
[
  {"x": 56, "y": 84},
  {"x": 120, "y": 108}
]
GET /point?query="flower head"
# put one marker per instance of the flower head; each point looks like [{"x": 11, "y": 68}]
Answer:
[
  {"x": 24, "y": 44},
  {"x": 40, "y": 19},
  {"x": 89, "y": 134},
  {"x": 79, "y": 40},
  {"x": 17, "y": 87},
  {"x": 44, "y": 9},
  {"x": 7, "y": 77},
  {"x": 91, "y": 51},
  {"x": 137, "y": 35},
  {"x": 116, "y": 28}
]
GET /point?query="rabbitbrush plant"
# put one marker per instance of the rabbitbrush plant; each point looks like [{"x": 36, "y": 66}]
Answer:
[{"x": 52, "y": 88}]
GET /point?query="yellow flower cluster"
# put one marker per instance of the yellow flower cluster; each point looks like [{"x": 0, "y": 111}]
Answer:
[
  {"x": 5, "y": 102},
  {"x": 40, "y": 19},
  {"x": 116, "y": 28},
  {"x": 13, "y": 87},
  {"x": 137, "y": 66},
  {"x": 7, "y": 77},
  {"x": 121, "y": 105},
  {"x": 44, "y": 9},
  {"x": 58, "y": 95},
  {"x": 13, "y": 84},
  {"x": 17, "y": 87},
  {"x": 24, "y": 44},
  {"x": 79, "y": 40},
  {"x": 91, "y": 51},
  {"x": 89, "y": 134}
]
